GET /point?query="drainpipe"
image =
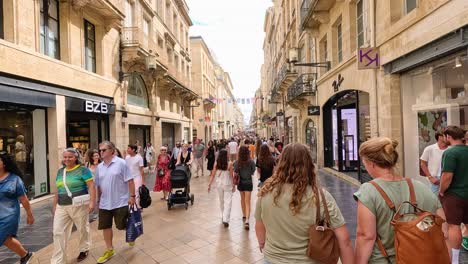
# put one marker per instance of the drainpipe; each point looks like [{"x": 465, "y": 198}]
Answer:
[{"x": 375, "y": 75}]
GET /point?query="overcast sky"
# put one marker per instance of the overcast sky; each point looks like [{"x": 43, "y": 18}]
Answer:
[{"x": 233, "y": 30}]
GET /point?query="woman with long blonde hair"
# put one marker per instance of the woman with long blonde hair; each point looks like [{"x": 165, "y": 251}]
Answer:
[{"x": 286, "y": 209}]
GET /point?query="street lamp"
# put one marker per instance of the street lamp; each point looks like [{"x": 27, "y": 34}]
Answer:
[{"x": 294, "y": 60}]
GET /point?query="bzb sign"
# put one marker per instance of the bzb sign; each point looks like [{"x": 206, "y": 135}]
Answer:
[{"x": 96, "y": 107}]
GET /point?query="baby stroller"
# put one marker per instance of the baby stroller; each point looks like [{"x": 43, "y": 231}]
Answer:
[{"x": 180, "y": 179}]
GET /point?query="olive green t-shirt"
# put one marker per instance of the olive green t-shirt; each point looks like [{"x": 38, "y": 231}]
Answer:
[
  {"x": 287, "y": 234},
  {"x": 455, "y": 160},
  {"x": 398, "y": 192}
]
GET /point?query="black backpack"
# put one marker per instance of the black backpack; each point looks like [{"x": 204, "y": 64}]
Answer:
[{"x": 145, "y": 197}]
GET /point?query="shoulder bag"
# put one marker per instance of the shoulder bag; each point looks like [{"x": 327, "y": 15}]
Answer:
[
  {"x": 323, "y": 244},
  {"x": 419, "y": 230},
  {"x": 78, "y": 200}
]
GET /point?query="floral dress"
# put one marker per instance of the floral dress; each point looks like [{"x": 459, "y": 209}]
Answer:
[{"x": 163, "y": 183}]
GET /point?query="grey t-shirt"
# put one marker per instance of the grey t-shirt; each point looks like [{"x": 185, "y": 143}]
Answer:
[
  {"x": 287, "y": 235},
  {"x": 398, "y": 192}
]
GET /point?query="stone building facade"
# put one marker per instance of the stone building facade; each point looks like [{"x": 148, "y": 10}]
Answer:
[
  {"x": 75, "y": 73},
  {"x": 336, "y": 107}
]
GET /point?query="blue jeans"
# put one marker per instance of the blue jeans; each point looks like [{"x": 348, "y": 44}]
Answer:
[{"x": 435, "y": 188}]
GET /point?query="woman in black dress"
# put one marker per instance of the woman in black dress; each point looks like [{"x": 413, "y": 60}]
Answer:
[{"x": 210, "y": 156}]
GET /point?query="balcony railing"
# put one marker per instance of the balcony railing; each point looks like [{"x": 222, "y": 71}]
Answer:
[
  {"x": 303, "y": 86},
  {"x": 306, "y": 9},
  {"x": 133, "y": 36}
]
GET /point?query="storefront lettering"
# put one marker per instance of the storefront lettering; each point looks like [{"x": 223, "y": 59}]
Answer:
[
  {"x": 96, "y": 107},
  {"x": 337, "y": 83}
]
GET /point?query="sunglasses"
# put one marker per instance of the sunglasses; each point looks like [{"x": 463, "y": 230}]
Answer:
[{"x": 103, "y": 150}]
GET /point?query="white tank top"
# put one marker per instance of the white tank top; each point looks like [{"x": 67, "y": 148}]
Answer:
[{"x": 223, "y": 178}]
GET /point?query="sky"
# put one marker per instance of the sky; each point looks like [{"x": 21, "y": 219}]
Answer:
[{"x": 233, "y": 30}]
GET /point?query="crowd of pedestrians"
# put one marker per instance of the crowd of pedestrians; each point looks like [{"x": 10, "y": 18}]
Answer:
[{"x": 290, "y": 200}]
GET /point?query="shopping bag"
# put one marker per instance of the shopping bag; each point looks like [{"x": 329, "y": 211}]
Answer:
[{"x": 134, "y": 224}]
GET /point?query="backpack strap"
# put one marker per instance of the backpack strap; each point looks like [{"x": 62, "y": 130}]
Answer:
[
  {"x": 411, "y": 191},
  {"x": 391, "y": 205},
  {"x": 389, "y": 202}
]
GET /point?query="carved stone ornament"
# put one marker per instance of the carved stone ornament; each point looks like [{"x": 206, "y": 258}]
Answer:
[{"x": 78, "y": 4}]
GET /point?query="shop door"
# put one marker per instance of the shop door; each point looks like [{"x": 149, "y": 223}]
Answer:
[
  {"x": 85, "y": 130},
  {"x": 168, "y": 135},
  {"x": 346, "y": 126},
  {"x": 140, "y": 136}
]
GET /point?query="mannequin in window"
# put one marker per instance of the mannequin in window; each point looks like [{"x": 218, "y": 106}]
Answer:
[{"x": 20, "y": 149}]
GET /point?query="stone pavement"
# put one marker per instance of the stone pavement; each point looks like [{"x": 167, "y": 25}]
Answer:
[{"x": 195, "y": 235}]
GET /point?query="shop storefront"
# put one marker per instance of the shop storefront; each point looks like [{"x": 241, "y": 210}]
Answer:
[
  {"x": 87, "y": 122},
  {"x": 23, "y": 131},
  {"x": 347, "y": 119},
  {"x": 434, "y": 95}
]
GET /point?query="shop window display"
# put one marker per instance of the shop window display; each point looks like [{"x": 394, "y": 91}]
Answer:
[
  {"x": 23, "y": 136},
  {"x": 433, "y": 97}
]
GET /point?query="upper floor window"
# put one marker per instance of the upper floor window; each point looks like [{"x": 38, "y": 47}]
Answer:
[
  {"x": 136, "y": 92},
  {"x": 324, "y": 52},
  {"x": 146, "y": 27},
  {"x": 168, "y": 15},
  {"x": 159, "y": 8},
  {"x": 1, "y": 19},
  {"x": 49, "y": 28},
  {"x": 360, "y": 23},
  {"x": 410, "y": 5},
  {"x": 339, "y": 39},
  {"x": 90, "y": 46},
  {"x": 129, "y": 7}
]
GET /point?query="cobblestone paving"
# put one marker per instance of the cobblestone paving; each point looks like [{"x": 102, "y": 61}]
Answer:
[{"x": 177, "y": 236}]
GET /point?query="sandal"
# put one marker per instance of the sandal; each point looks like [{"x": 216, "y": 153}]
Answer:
[{"x": 246, "y": 226}]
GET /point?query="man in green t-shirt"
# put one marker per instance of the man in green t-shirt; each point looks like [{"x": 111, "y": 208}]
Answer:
[{"x": 454, "y": 186}]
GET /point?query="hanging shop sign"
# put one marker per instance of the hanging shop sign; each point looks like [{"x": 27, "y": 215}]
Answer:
[
  {"x": 368, "y": 58},
  {"x": 313, "y": 110}
]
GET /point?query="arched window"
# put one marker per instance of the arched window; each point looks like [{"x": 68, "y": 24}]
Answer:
[{"x": 136, "y": 94}]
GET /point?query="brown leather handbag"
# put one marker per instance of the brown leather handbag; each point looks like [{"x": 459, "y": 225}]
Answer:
[{"x": 323, "y": 244}]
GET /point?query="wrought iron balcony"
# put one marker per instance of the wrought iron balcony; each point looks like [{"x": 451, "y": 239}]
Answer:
[
  {"x": 303, "y": 86},
  {"x": 285, "y": 77},
  {"x": 315, "y": 12}
]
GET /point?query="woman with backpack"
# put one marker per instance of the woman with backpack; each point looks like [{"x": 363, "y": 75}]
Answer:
[
  {"x": 224, "y": 183},
  {"x": 374, "y": 213},
  {"x": 244, "y": 167},
  {"x": 286, "y": 209}
]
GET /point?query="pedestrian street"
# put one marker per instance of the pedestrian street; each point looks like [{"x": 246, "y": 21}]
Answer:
[{"x": 195, "y": 235}]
